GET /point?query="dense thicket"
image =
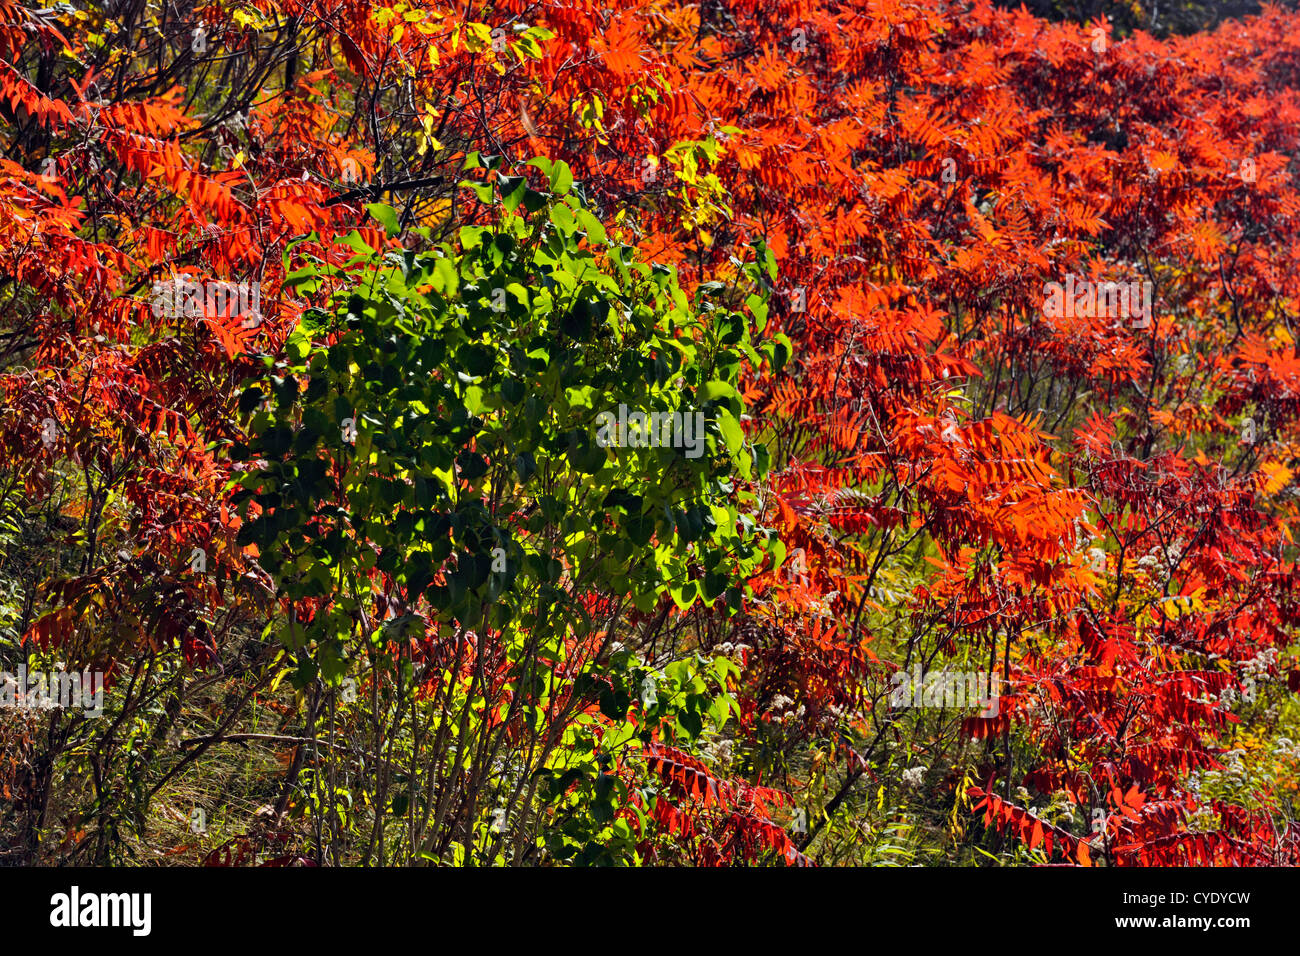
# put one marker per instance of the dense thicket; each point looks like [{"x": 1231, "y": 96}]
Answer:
[{"x": 988, "y": 319}]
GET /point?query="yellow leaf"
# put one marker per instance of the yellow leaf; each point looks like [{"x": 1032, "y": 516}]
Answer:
[{"x": 1275, "y": 477}]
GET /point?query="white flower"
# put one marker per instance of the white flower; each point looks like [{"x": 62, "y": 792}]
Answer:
[{"x": 914, "y": 776}]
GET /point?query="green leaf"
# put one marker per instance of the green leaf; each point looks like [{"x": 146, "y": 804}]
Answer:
[
  {"x": 385, "y": 215},
  {"x": 561, "y": 178},
  {"x": 714, "y": 390},
  {"x": 731, "y": 431}
]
